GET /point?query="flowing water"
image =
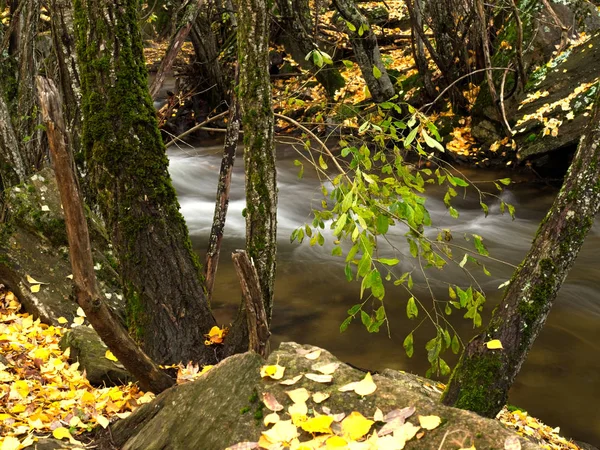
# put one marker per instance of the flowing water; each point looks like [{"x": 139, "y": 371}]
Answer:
[{"x": 559, "y": 383}]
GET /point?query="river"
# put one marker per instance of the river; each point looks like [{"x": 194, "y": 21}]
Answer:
[{"x": 559, "y": 383}]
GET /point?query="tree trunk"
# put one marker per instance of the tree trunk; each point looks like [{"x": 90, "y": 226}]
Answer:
[
  {"x": 259, "y": 151},
  {"x": 297, "y": 23},
  {"x": 415, "y": 10},
  {"x": 482, "y": 378},
  {"x": 185, "y": 25},
  {"x": 167, "y": 306},
  {"x": 12, "y": 166},
  {"x": 366, "y": 51},
  {"x": 108, "y": 327}
]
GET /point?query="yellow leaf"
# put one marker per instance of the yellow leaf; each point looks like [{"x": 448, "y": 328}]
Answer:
[
  {"x": 406, "y": 431},
  {"x": 31, "y": 280},
  {"x": 313, "y": 355},
  {"x": 102, "y": 421},
  {"x": 366, "y": 386},
  {"x": 378, "y": 416},
  {"x": 355, "y": 426},
  {"x": 472, "y": 447},
  {"x": 80, "y": 312},
  {"x": 319, "y": 424},
  {"x": 336, "y": 442},
  {"x": 275, "y": 371},
  {"x": 319, "y": 378},
  {"x": 327, "y": 369},
  {"x": 291, "y": 381},
  {"x": 319, "y": 397},
  {"x": 216, "y": 335},
  {"x": 61, "y": 320},
  {"x": 78, "y": 321},
  {"x": 299, "y": 395},
  {"x": 108, "y": 355},
  {"x": 21, "y": 387},
  {"x": 35, "y": 288},
  {"x": 271, "y": 419},
  {"x": 494, "y": 344},
  {"x": 283, "y": 431},
  {"x": 61, "y": 433},
  {"x": 10, "y": 443},
  {"x": 298, "y": 409},
  {"x": 429, "y": 422}
]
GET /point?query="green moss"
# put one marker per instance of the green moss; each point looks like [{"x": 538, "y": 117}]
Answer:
[
  {"x": 478, "y": 390},
  {"x": 244, "y": 410},
  {"x": 135, "y": 312}
]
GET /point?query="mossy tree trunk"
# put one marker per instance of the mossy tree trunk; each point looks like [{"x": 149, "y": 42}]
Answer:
[
  {"x": 168, "y": 310},
  {"x": 259, "y": 152},
  {"x": 366, "y": 50},
  {"x": 482, "y": 378},
  {"x": 297, "y": 23}
]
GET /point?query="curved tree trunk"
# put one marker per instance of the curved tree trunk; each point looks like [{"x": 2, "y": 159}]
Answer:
[
  {"x": 167, "y": 306},
  {"x": 366, "y": 51},
  {"x": 297, "y": 23},
  {"x": 482, "y": 378},
  {"x": 259, "y": 151}
]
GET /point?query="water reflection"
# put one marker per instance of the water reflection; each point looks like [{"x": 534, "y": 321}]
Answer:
[{"x": 560, "y": 378}]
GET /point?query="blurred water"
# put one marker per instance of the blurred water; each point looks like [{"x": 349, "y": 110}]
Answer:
[{"x": 559, "y": 382}]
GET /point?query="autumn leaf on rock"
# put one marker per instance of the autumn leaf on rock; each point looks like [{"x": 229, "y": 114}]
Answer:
[
  {"x": 320, "y": 424},
  {"x": 271, "y": 402},
  {"x": 429, "y": 422},
  {"x": 403, "y": 413},
  {"x": 61, "y": 433},
  {"x": 282, "y": 432},
  {"x": 271, "y": 419},
  {"x": 327, "y": 369},
  {"x": 299, "y": 395},
  {"x": 355, "y": 426},
  {"x": 336, "y": 442},
  {"x": 313, "y": 355},
  {"x": 319, "y": 397},
  {"x": 108, "y": 355},
  {"x": 298, "y": 411},
  {"x": 275, "y": 371},
  {"x": 291, "y": 381},
  {"x": 319, "y": 378},
  {"x": 378, "y": 415}
]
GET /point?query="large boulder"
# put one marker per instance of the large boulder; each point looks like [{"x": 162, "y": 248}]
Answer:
[
  {"x": 33, "y": 246},
  {"x": 224, "y": 406},
  {"x": 88, "y": 349}
]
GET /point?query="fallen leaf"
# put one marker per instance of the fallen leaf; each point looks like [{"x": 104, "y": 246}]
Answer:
[
  {"x": 336, "y": 442},
  {"x": 275, "y": 371},
  {"x": 512, "y": 443},
  {"x": 429, "y": 422},
  {"x": 327, "y": 369},
  {"x": 313, "y": 355},
  {"x": 319, "y": 397},
  {"x": 271, "y": 419},
  {"x": 11, "y": 443},
  {"x": 299, "y": 395},
  {"x": 282, "y": 431},
  {"x": 355, "y": 426},
  {"x": 320, "y": 424},
  {"x": 35, "y": 288},
  {"x": 271, "y": 402},
  {"x": 494, "y": 344},
  {"x": 407, "y": 431},
  {"x": 62, "y": 320},
  {"x": 61, "y": 433},
  {"x": 291, "y": 381},
  {"x": 80, "y": 312},
  {"x": 298, "y": 409},
  {"x": 404, "y": 413},
  {"x": 378, "y": 416},
  {"x": 348, "y": 387},
  {"x": 102, "y": 421},
  {"x": 366, "y": 386},
  {"x": 319, "y": 378},
  {"x": 108, "y": 355}
]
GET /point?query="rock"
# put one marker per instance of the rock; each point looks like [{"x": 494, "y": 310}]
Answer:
[
  {"x": 52, "y": 444},
  {"x": 88, "y": 349},
  {"x": 34, "y": 243},
  {"x": 568, "y": 83},
  {"x": 222, "y": 407}
]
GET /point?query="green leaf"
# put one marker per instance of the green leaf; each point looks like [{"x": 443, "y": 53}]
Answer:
[
  {"x": 444, "y": 368},
  {"x": 451, "y": 293},
  {"x": 380, "y": 313},
  {"x": 336, "y": 251},
  {"x": 383, "y": 224},
  {"x": 340, "y": 224},
  {"x": 345, "y": 323},
  {"x": 412, "y": 311},
  {"x": 365, "y": 319},
  {"x": 389, "y": 261},
  {"x": 377, "y": 288},
  {"x": 356, "y": 308},
  {"x": 345, "y": 152},
  {"x": 485, "y": 208},
  {"x": 432, "y": 142},
  {"x": 511, "y": 210},
  {"x": 447, "y": 309},
  {"x": 348, "y": 272},
  {"x": 504, "y": 181},
  {"x": 408, "y": 345},
  {"x": 322, "y": 163},
  {"x": 458, "y": 181},
  {"x": 411, "y": 137},
  {"x": 350, "y": 26},
  {"x": 376, "y": 72},
  {"x": 364, "y": 266},
  {"x": 455, "y": 345},
  {"x": 478, "y": 241},
  {"x": 348, "y": 64},
  {"x": 453, "y": 212}
]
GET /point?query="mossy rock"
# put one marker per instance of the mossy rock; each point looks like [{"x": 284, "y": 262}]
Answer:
[
  {"x": 223, "y": 406},
  {"x": 88, "y": 349},
  {"x": 33, "y": 242}
]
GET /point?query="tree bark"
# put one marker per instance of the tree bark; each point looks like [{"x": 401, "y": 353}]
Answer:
[
  {"x": 12, "y": 166},
  {"x": 167, "y": 306},
  {"x": 259, "y": 148},
  {"x": 482, "y": 378},
  {"x": 415, "y": 10},
  {"x": 366, "y": 51},
  {"x": 185, "y": 25},
  {"x": 297, "y": 23},
  {"x": 149, "y": 376},
  {"x": 223, "y": 186}
]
